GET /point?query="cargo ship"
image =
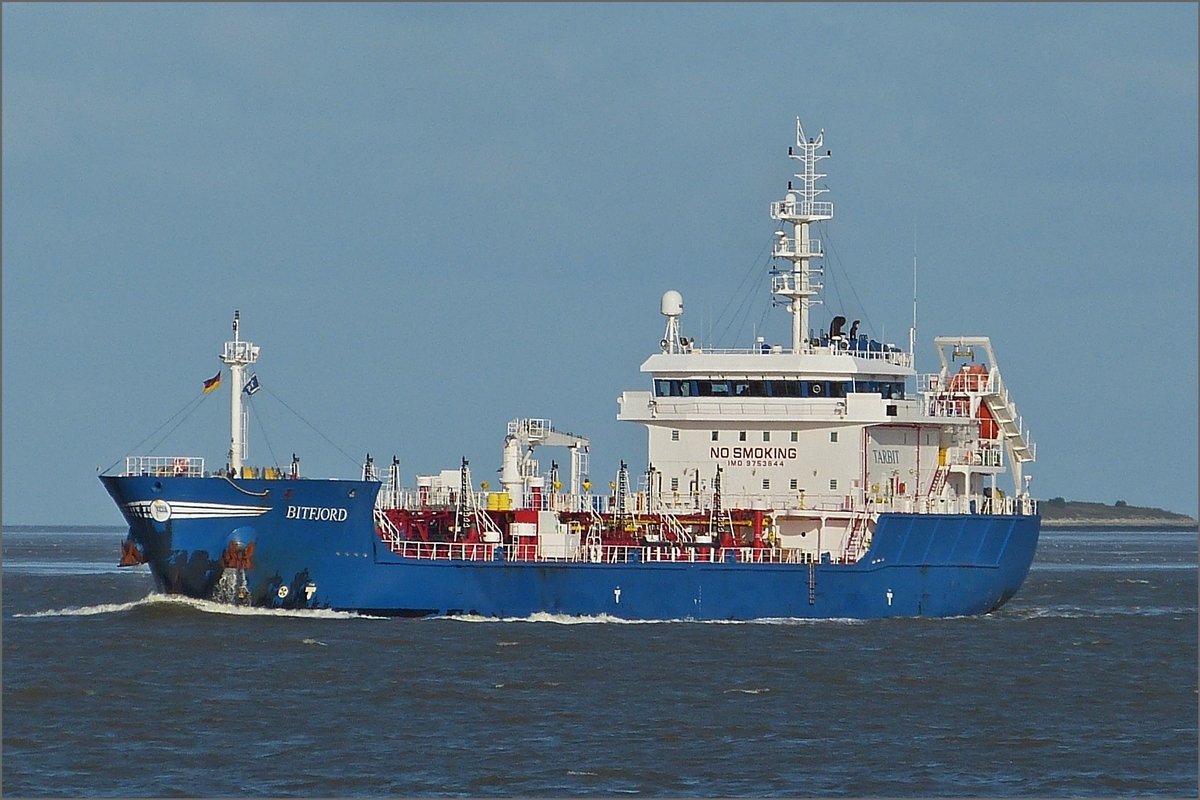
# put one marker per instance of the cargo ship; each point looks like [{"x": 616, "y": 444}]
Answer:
[{"x": 817, "y": 478}]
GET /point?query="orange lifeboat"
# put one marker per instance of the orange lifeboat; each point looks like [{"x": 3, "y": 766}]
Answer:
[{"x": 971, "y": 378}]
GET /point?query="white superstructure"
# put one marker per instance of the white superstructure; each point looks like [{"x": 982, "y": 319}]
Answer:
[{"x": 834, "y": 428}]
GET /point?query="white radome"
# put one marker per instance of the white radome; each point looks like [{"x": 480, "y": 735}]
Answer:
[{"x": 672, "y": 304}]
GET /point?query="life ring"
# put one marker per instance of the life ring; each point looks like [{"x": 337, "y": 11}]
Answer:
[
  {"x": 283, "y": 592},
  {"x": 179, "y": 466}
]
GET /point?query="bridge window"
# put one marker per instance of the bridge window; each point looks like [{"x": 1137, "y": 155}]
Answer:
[{"x": 711, "y": 388}]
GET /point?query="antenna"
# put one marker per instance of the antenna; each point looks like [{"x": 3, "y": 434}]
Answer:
[
  {"x": 912, "y": 332},
  {"x": 801, "y": 208}
]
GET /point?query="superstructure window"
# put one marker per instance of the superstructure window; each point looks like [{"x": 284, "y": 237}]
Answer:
[
  {"x": 674, "y": 484},
  {"x": 795, "y": 436},
  {"x": 833, "y": 436},
  {"x": 766, "y": 483},
  {"x": 827, "y": 388},
  {"x": 741, "y": 436},
  {"x": 766, "y": 436},
  {"x": 833, "y": 484},
  {"x": 744, "y": 387},
  {"x": 794, "y": 483},
  {"x": 888, "y": 390},
  {"x": 674, "y": 436},
  {"x": 715, "y": 436}
]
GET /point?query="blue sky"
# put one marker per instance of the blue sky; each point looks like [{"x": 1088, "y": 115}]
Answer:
[{"x": 437, "y": 218}]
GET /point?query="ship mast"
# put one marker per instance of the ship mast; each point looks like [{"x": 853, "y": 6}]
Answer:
[
  {"x": 800, "y": 208},
  {"x": 237, "y": 356}
]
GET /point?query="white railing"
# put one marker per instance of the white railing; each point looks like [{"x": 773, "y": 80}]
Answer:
[
  {"x": 786, "y": 247},
  {"x": 963, "y": 456},
  {"x": 897, "y": 357},
  {"x": 604, "y": 554},
  {"x": 964, "y": 504},
  {"x": 447, "y": 497},
  {"x": 666, "y": 503},
  {"x": 786, "y": 209},
  {"x": 785, "y": 283},
  {"x": 932, "y": 384},
  {"x": 165, "y": 466}
]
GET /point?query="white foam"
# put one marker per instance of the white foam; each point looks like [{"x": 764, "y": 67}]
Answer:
[
  {"x": 205, "y": 606},
  {"x": 1080, "y": 612},
  {"x": 71, "y": 568},
  {"x": 605, "y": 619}
]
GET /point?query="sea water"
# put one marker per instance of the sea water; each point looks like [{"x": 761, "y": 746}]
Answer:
[{"x": 1085, "y": 684}]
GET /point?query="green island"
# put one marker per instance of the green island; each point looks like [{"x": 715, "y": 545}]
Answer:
[{"x": 1059, "y": 513}]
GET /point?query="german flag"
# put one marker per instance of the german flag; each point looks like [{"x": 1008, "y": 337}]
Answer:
[{"x": 212, "y": 383}]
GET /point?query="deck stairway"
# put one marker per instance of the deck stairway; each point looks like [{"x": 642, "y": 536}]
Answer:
[{"x": 1004, "y": 410}]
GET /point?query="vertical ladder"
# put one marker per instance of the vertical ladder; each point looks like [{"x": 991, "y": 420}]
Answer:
[
  {"x": 812, "y": 583},
  {"x": 622, "y": 498},
  {"x": 854, "y": 543},
  {"x": 939, "y": 480}
]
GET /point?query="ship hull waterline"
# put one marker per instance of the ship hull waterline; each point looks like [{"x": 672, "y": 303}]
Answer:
[{"x": 918, "y": 565}]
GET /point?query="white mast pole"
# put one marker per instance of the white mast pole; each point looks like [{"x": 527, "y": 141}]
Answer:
[
  {"x": 800, "y": 208},
  {"x": 237, "y": 356}
]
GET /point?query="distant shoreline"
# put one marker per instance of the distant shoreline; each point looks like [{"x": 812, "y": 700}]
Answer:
[
  {"x": 1150, "y": 526},
  {"x": 65, "y": 528}
]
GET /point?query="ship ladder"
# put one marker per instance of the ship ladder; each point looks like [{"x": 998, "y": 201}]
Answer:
[
  {"x": 675, "y": 527},
  {"x": 387, "y": 530},
  {"x": 812, "y": 583},
  {"x": 593, "y": 545},
  {"x": 854, "y": 543},
  {"x": 939, "y": 480}
]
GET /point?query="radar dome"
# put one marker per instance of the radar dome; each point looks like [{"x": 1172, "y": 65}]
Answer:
[
  {"x": 672, "y": 304},
  {"x": 791, "y": 197}
]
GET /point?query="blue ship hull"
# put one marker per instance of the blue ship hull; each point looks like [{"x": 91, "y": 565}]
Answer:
[{"x": 917, "y": 565}]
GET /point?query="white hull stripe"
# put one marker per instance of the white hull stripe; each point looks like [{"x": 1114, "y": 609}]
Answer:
[{"x": 186, "y": 510}]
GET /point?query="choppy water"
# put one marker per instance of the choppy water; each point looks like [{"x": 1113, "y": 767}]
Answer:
[{"x": 1084, "y": 685}]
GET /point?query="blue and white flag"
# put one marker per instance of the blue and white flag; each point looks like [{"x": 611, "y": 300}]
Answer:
[{"x": 251, "y": 385}]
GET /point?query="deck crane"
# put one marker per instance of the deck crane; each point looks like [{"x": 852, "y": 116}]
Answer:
[{"x": 521, "y": 468}]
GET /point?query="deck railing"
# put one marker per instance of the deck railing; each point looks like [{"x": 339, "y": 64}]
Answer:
[
  {"x": 602, "y": 554},
  {"x": 165, "y": 466}
]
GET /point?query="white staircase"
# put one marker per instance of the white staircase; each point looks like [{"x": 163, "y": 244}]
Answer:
[{"x": 1004, "y": 410}]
